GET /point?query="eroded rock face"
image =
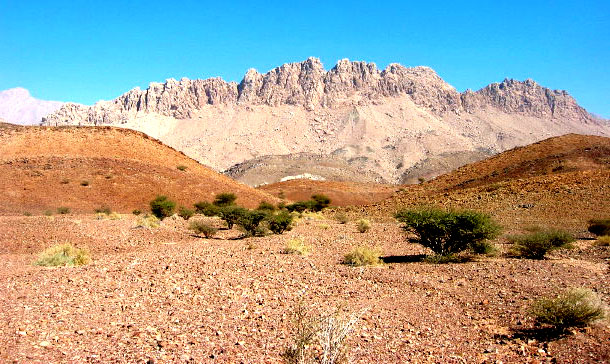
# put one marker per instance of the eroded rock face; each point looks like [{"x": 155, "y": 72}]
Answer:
[{"x": 309, "y": 85}]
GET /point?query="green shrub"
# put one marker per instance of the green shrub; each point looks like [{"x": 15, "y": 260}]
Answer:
[
  {"x": 162, "y": 207},
  {"x": 48, "y": 213},
  {"x": 603, "y": 241},
  {"x": 341, "y": 218},
  {"x": 599, "y": 227},
  {"x": 136, "y": 212},
  {"x": 224, "y": 199},
  {"x": 202, "y": 228},
  {"x": 363, "y": 255},
  {"x": 84, "y": 183},
  {"x": 299, "y": 206},
  {"x": 280, "y": 222},
  {"x": 296, "y": 246},
  {"x": 64, "y": 255},
  {"x": 63, "y": 210},
  {"x": 320, "y": 202},
  {"x": 572, "y": 308},
  {"x": 536, "y": 245},
  {"x": 249, "y": 221},
  {"x": 448, "y": 232},
  {"x": 185, "y": 213},
  {"x": 207, "y": 209},
  {"x": 182, "y": 168},
  {"x": 266, "y": 207},
  {"x": 363, "y": 225},
  {"x": 103, "y": 210},
  {"x": 484, "y": 247},
  {"x": 231, "y": 214}
]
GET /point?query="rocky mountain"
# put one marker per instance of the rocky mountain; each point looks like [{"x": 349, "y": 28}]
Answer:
[
  {"x": 400, "y": 123},
  {"x": 17, "y": 106}
]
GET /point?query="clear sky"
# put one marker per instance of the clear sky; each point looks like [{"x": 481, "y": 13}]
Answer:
[{"x": 83, "y": 51}]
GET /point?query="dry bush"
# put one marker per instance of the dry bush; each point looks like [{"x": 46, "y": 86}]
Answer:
[
  {"x": 324, "y": 226},
  {"x": 536, "y": 245},
  {"x": 63, "y": 210},
  {"x": 363, "y": 225},
  {"x": 182, "y": 168},
  {"x": 363, "y": 255},
  {"x": 64, "y": 255},
  {"x": 202, "y": 228},
  {"x": 296, "y": 246},
  {"x": 103, "y": 210},
  {"x": 603, "y": 241},
  {"x": 147, "y": 221},
  {"x": 341, "y": 218},
  {"x": 312, "y": 215},
  {"x": 573, "y": 308}
]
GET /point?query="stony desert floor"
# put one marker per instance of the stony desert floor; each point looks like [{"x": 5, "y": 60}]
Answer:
[{"x": 164, "y": 295}]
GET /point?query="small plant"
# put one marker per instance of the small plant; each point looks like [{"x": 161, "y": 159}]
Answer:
[
  {"x": 363, "y": 225},
  {"x": 27, "y": 213},
  {"x": 84, "y": 183},
  {"x": 64, "y": 255},
  {"x": 136, "y": 212},
  {"x": 185, "y": 213},
  {"x": 63, "y": 210},
  {"x": 341, "y": 218},
  {"x": 224, "y": 199},
  {"x": 48, "y": 213},
  {"x": 103, "y": 210},
  {"x": 324, "y": 226},
  {"x": 320, "y": 202},
  {"x": 250, "y": 221},
  {"x": 266, "y": 207},
  {"x": 363, "y": 255},
  {"x": 536, "y": 245},
  {"x": 484, "y": 248},
  {"x": 64, "y": 181},
  {"x": 572, "y": 308},
  {"x": 207, "y": 209},
  {"x": 162, "y": 207},
  {"x": 603, "y": 241},
  {"x": 148, "y": 221},
  {"x": 296, "y": 246},
  {"x": 280, "y": 222},
  {"x": 448, "y": 232},
  {"x": 202, "y": 228},
  {"x": 599, "y": 227},
  {"x": 312, "y": 216},
  {"x": 182, "y": 168}
]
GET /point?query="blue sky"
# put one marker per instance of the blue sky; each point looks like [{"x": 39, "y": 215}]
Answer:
[{"x": 84, "y": 51}]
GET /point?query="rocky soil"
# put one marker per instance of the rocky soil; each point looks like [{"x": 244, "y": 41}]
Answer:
[{"x": 164, "y": 295}]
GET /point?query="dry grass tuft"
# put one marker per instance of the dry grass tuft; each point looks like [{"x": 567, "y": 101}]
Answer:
[
  {"x": 573, "y": 308},
  {"x": 363, "y": 255},
  {"x": 363, "y": 225},
  {"x": 64, "y": 255},
  {"x": 296, "y": 246},
  {"x": 148, "y": 221},
  {"x": 603, "y": 241}
]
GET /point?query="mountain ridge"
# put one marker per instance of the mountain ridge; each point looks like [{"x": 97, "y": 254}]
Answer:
[{"x": 17, "y": 106}]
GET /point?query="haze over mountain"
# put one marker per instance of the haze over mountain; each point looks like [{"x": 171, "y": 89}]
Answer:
[
  {"x": 17, "y": 106},
  {"x": 396, "y": 125}
]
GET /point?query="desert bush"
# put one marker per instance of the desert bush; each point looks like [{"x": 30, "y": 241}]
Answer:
[
  {"x": 324, "y": 226},
  {"x": 363, "y": 255},
  {"x": 64, "y": 255},
  {"x": 296, "y": 246},
  {"x": 202, "y": 228},
  {"x": 319, "y": 202},
  {"x": 572, "y": 308},
  {"x": 64, "y": 181},
  {"x": 312, "y": 215},
  {"x": 603, "y": 241},
  {"x": 207, "y": 209},
  {"x": 448, "y": 232},
  {"x": 84, "y": 183},
  {"x": 536, "y": 245},
  {"x": 162, "y": 207},
  {"x": 182, "y": 168},
  {"x": 103, "y": 210},
  {"x": 599, "y": 227},
  {"x": 27, "y": 213},
  {"x": 231, "y": 214},
  {"x": 484, "y": 247},
  {"x": 48, "y": 213},
  {"x": 299, "y": 206},
  {"x": 63, "y": 210},
  {"x": 147, "y": 221},
  {"x": 363, "y": 225},
  {"x": 136, "y": 212},
  {"x": 185, "y": 213},
  {"x": 250, "y": 221},
  {"x": 266, "y": 207},
  {"x": 224, "y": 199},
  {"x": 341, "y": 218},
  {"x": 280, "y": 222}
]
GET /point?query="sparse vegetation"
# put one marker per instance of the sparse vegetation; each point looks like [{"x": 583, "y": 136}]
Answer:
[
  {"x": 572, "y": 308},
  {"x": 84, "y": 183},
  {"x": 136, "y": 212},
  {"x": 64, "y": 181},
  {"x": 27, "y": 213},
  {"x": 224, "y": 199},
  {"x": 266, "y": 207},
  {"x": 185, "y": 213},
  {"x": 536, "y": 245},
  {"x": 203, "y": 228},
  {"x": 182, "y": 168},
  {"x": 599, "y": 227},
  {"x": 324, "y": 226},
  {"x": 341, "y": 218},
  {"x": 603, "y": 241},
  {"x": 484, "y": 247},
  {"x": 363, "y": 255},
  {"x": 64, "y": 255},
  {"x": 147, "y": 221},
  {"x": 162, "y": 207},
  {"x": 48, "y": 213},
  {"x": 207, "y": 208},
  {"x": 280, "y": 222},
  {"x": 448, "y": 232},
  {"x": 317, "y": 203},
  {"x": 363, "y": 225},
  {"x": 103, "y": 210},
  {"x": 63, "y": 210},
  {"x": 249, "y": 221},
  {"x": 296, "y": 246},
  {"x": 231, "y": 214}
]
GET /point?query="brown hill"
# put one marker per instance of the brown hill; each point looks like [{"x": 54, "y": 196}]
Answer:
[
  {"x": 560, "y": 182},
  {"x": 84, "y": 168},
  {"x": 340, "y": 193}
]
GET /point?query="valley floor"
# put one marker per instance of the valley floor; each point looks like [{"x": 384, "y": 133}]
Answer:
[{"x": 164, "y": 295}]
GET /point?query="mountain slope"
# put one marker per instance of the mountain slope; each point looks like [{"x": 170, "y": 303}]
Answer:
[
  {"x": 17, "y": 106},
  {"x": 86, "y": 168},
  {"x": 390, "y": 123}
]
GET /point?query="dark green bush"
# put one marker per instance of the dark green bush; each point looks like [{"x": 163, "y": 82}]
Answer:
[
  {"x": 299, "y": 206},
  {"x": 63, "y": 210},
  {"x": 207, "y": 208},
  {"x": 182, "y": 168},
  {"x": 224, "y": 199},
  {"x": 572, "y": 308},
  {"x": 536, "y": 245},
  {"x": 162, "y": 207},
  {"x": 202, "y": 228},
  {"x": 599, "y": 227},
  {"x": 136, "y": 212},
  {"x": 103, "y": 210},
  {"x": 231, "y": 214},
  {"x": 265, "y": 206},
  {"x": 250, "y": 221},
  {"x": 448, "y": 232},
  {"x": 320, "y": 202},
  {"x": 185, "y": 213},
  {"x": 280, "y": 222}
]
